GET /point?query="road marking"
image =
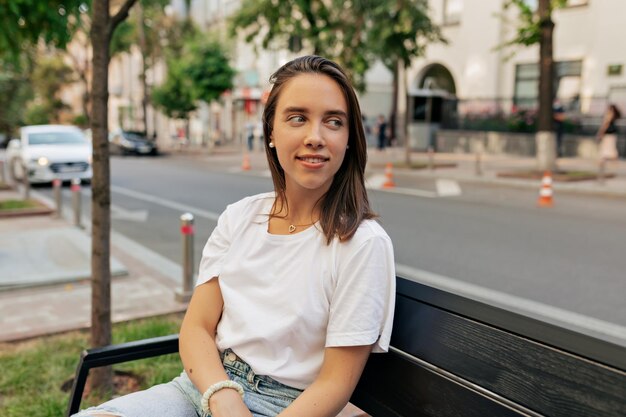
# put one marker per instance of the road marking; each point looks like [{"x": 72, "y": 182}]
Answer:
[
  {"x": 376, "y": 181},
  {"x": 121, "y": 213},
  {"x": 165, "y": 203},
  {"x": 448, "y": 188},
  {"x": 534, "y": 309}
]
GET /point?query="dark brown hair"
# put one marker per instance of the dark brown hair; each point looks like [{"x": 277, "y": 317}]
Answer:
[
  {"x": 345, "y": 204},
  {"x": 616, "y": 113}
]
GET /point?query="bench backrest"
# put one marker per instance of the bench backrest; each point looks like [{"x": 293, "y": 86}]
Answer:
[{"x": 456, "y": 357}]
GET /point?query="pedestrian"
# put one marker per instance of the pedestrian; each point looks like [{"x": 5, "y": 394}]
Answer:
[
  {"x": 607, "y": 134},
  {"x": 381, "y": 131},
  {"x": 250, "y": 135},
  {"x": 296, "y": 287},
  {"x": 558, "y": 116}
]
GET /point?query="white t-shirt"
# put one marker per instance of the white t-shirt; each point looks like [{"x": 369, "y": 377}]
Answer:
[{"x": 287, "y": 297}]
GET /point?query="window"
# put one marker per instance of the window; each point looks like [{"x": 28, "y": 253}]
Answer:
[
  {"x": 566, "y": 83},
  {"x": 452, "y": 10},
  {"x": 570, "y": 3}
]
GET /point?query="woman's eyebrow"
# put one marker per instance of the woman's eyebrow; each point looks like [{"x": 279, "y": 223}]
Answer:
[
  {"x": 295, "y": 110},
  {"x": 304, "y": 110}
]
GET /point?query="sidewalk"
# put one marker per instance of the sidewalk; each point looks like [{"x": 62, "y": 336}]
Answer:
[{"x": 49, "y": 259}]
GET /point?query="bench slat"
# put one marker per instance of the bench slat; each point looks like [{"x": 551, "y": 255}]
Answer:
[
  {"x": 531, "y": 374},
  {"x": 392, "y": 386}
]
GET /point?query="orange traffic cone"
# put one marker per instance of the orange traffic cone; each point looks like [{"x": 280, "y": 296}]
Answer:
[
  {"x": 389, "y": 175},
  {"x": 245, "y": 165},
  {"x": 545, "y": 193}
]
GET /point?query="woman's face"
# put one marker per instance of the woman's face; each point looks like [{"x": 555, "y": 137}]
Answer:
[{"x": 310, "y": 132}]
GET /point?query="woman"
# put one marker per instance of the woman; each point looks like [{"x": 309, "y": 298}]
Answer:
[
  {"x": 607, "y": 134},
  {"x": 296, "y": 287}
]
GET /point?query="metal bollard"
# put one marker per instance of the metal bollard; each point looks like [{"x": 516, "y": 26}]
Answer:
[
  {"x": 602, "y": 171},
  {"x": 58, "y": 200},
  {"x": 183, "y": 294},
  {"x": 431, "y": 158},
  {"x": 25, "y": 182},
  {"x": 479, "y": 168},
  {"x": 76, "y": 201}
]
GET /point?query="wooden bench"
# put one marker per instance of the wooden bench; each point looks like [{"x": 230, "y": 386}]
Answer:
[{"x": 452, "y": 356}]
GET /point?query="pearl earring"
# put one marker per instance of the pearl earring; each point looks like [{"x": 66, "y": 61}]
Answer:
[{"x": 271, "y": 145}]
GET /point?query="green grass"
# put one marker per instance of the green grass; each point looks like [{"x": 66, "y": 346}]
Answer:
[
  {"x": 17, "y": 204},
  {"x": 34, "y": 371}
]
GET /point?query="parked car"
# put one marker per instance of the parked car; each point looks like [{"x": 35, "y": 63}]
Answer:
[
  {"x": 48, "y": 152},
  {"x": 126, "y": 142}
]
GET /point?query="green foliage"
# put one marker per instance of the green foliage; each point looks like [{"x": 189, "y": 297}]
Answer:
[
  {"x": 37, "y": 114},
  {"x": 208, "y": 70},
  {"x": 25, "y": 22},
  {"x": 401, "y": 31},
  {"x": 175, "y": 96},
  {"x": 50, "y": 74},
  {"x": 528, "y": 29},
  {"x": 15, "y": 91},
  {"x": 123, "y": 37},
  {"x": 81, "y": 120},
  {"x": 353, "y": 33},
  {"x": 38, "y": 368},
  {"x": 200, "y": 71}
]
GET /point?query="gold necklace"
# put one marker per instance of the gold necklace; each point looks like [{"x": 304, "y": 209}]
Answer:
[{"x": 292, "y": 227}]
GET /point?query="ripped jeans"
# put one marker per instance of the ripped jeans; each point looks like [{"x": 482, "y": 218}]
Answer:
[{"x": 264, "y": 396}]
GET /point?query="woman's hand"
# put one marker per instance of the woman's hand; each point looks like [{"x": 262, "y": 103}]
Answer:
[{"x": 228, "y": 403}]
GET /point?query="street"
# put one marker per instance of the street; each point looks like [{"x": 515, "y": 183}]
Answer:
[{"x": 563, "y": 265}]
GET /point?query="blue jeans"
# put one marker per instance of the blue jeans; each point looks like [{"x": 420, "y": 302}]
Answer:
[{"x": 264, "y": 396}]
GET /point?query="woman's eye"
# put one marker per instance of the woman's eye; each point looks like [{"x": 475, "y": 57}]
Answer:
[
  {"x": 296, "y": 119},
  {"x": 336, "y": 122}
]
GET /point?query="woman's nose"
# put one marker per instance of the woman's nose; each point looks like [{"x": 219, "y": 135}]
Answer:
[{"x": 314, "y": 137}]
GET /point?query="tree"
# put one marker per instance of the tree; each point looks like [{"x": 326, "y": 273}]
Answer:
[
  {"x": 537, "y": 27},
  {"x": 175, "y": 96},
  {"x": 399, "y": 34},
  {"x": 103, "y": 24},
  {"x": 200, "y": 72},
  {"x": 26, "y": 23}
]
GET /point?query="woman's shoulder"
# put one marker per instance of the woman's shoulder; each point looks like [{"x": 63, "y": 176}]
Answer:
[
  {"x": 253, "y": 204},
  {"x": 369, "y": 230}
]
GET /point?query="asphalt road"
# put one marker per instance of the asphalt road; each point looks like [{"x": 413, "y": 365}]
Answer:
[{"x": 565, "y": 265}]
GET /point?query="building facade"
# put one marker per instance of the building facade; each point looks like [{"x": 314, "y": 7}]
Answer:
[{"x": 487, "y": 77}]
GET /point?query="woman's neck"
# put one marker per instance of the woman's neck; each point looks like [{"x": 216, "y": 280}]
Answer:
[{"x": 299, "y": 208}]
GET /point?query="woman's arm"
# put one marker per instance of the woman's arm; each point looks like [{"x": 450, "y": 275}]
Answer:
[
  {"x": 331, "y": 390},
  {"x": 199, "y": 353}
]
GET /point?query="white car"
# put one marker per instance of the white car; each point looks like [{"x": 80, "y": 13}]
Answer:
[{"x": 49, "y": 152}]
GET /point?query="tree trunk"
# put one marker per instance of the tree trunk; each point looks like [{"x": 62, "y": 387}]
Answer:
[
  {"x": 394, "y": 106},
  {"x": 101, "y": 378},
  {"x": 144, "y": 83},
  {"x": 545, "y": 138},
  {"x": 401, "y": 109}
]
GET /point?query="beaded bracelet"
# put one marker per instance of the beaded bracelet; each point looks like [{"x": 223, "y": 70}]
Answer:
[{"x": 216, "y": 387}]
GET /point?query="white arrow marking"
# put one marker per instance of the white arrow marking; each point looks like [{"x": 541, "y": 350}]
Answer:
[
  {"x": 120, "y": 213},
  {"x": 448, "y": 188}
]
